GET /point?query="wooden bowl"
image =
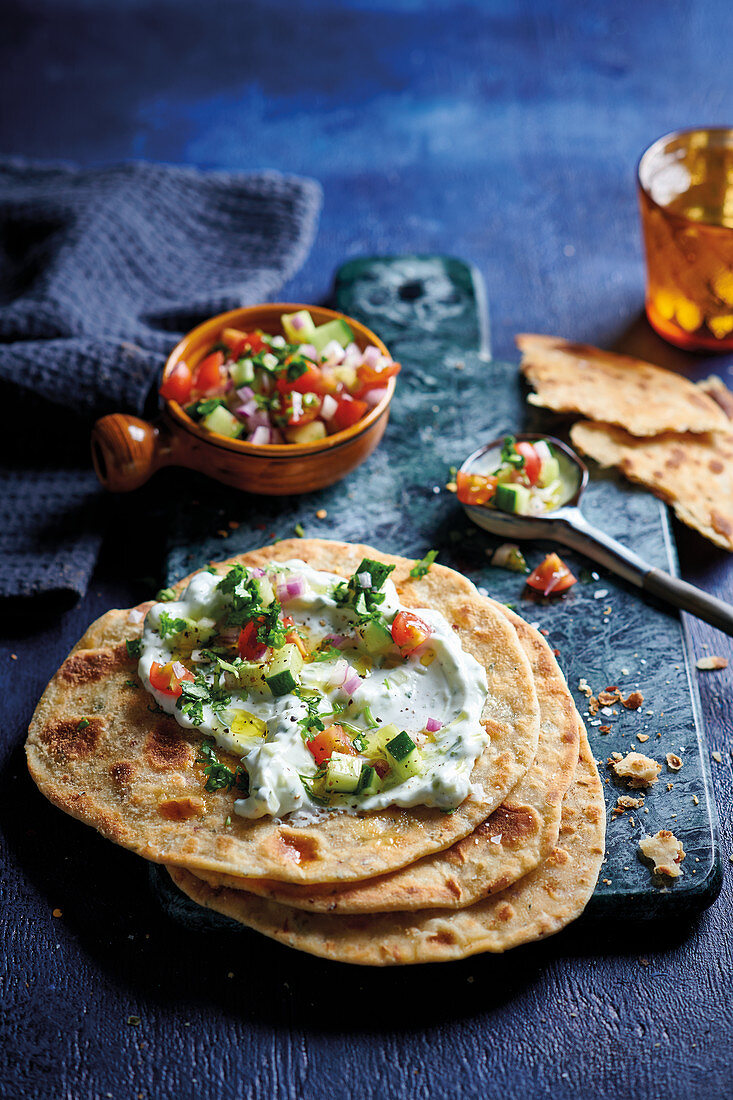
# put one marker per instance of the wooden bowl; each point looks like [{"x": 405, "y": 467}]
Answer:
[{"x": 126, "y": 450}]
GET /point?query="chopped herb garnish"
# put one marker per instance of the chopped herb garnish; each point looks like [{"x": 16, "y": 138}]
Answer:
[
  {"x": 421, "y": 568},
  {"x": 368, "y": 717},
  {"x": 131, "y": 684},
  {"x": 219, "y": 776},
  {"x": 317, "y": 798},
  {"x": 364, "y": 599},
  {"x": 83, "y": 724},
  {"x": 509, "y": 454},
  {"x": 221, "y": 663},
  {"x": 169, "y": 625},
  {"x": 134, "y": 647},
  {"x": 165, "y": 595},
  {"x": 212, "y": 569},
  {"x": 299, "y": 530},
  {"x": 296, "y": 367},
  {"x": 311, "y": 722},
  {"x": 228, "y": 821},
  {"x": 327, "y": 653},
  {"x": 200, "y": 409}
]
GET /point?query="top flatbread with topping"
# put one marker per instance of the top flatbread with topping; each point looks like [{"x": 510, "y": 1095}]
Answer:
[
  {"x": 618, "y": 389},
  {"x": 96, "y": 750}
]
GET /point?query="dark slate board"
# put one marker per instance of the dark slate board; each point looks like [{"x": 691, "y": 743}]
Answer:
[{"x": 451, "y": 397}]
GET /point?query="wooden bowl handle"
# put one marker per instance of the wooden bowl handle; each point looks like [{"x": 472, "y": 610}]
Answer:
[{"x": 126, "y": 451}]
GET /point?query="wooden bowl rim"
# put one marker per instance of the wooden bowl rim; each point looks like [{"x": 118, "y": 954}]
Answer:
[{"x": 273, "y": 450}]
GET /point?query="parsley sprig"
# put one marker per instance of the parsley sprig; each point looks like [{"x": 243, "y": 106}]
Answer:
[
  {"x": 421, "y": 567},
  {"x": 169, "y": 625}
]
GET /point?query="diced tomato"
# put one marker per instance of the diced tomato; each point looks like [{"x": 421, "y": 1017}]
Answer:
[
  {"x": 249, "y": 646},
  {"x": 332, "y": 739},
  {"x": 367, "y": 378},
  {"x": 474, "y": 488},
  {"x": 208, "y": 374},
  {"x": 177, "y": 386},
  {"x": 235, "y": 340},
  {"x": 292, "y": 635},
  {"x": 310, "y": 381},
  {"x": 300, "y": 408},
  {"x": 349, "y": 410},
  {"x": 551, "y": 577},
  {"x": 532, "y": 461},
  {"x": 409, "y": 632},
  {"x": 166, "y": 679}
]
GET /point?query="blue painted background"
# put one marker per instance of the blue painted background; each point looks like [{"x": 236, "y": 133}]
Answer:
[{"x": 506, "y": 133}]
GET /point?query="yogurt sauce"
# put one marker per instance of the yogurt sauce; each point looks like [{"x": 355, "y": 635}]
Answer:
[{"x": 440, "y": 681}]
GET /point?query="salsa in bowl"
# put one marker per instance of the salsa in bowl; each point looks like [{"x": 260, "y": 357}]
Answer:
[{"x": 127, "y": 450}]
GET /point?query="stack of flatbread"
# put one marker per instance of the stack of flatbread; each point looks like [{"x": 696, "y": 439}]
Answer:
[
  {"x": 661, "y": 430},
  {"x": 515, "y": 862}
]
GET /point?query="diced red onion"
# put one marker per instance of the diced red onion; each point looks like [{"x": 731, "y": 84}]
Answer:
[
  {"x": 373, "y": 397},
  {"x": 335, "y": 639},
  {"x": 352, "y": 683},
  {"x": 372, "y": 357},
  {"x": 246, "y": 393},
  {"x": 296, "y": 586},
  {"x": 333, "y": 353},
  {"x": 257, "y": 572},
  {"x": 364, "y": 579},
  {"x": 328, "y": 407},
  {"x": 352, "y": 356},
  {"x": 308, "y": 351},
  {"x": 179, "y": 670},
  {"x": 249, "y": 408},
  {"x": 259, "y": 436},
  {"x": 229, "y": 635},
  {"x": 433, "y": 725},
  {"x": 258, "y": 419},
  {"x": 340, "y": 670}
]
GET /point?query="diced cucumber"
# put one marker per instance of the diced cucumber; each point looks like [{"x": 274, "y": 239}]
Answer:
[
  {"x": 307, "y": 433},
  {"x": 369, "y": 781},
  {"x": 376, "y": 638},
  {"x": 549, "y": 472},
  {"x": 343, "y": 772},
  {"x": 512, "y": 498},
  {"x": 336, "y": 330},
  {"x": 249, "y": 677},
  {"x": 242, "y": 372},
  {"x": 283, "y": 673},
  {"x": 346, "y": 375},
  {"x": 266, "y": 591},
  {"x": 221, "y": 420},
  {"x": 298, "y": 327},
  {"x": 246, "y": 726},
  {"x": 375, "y": 740},
  {"x": 403, "y": 755}
]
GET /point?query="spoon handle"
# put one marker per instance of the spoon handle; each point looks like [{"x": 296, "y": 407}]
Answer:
[
  {"x": 689, "y": 598},
  {"x": 576, "y": 532}
]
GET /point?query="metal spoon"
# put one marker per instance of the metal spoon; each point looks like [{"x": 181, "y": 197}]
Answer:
[{"x": 566, "y": 524}]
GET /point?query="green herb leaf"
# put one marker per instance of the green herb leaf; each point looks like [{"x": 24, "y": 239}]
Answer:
[
  {"x": 83, "y": 724},
  {"x": 169, "y": 625},
  {"x": 200, "y": 409},
  {"x": 421, "y": 568},
  {"x": 219, "y": 776},
  {"x": 327, "y": 654},
  {"x": 299, "y": 530},
  {"x": 134, "y": 648},
  {"x": 317, "y": 798},
  {"x": 131, "y": 684},
  {"x": 364, "y": 601},
  {"x": 165, "y": 595}
]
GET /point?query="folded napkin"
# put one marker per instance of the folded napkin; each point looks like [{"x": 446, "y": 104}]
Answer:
[{"x": 101, "y": 271}]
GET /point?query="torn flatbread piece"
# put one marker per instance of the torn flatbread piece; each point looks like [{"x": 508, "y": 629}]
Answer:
[
  {"x": 693, "y": 473},
  {"x": 638, "y": 396}
]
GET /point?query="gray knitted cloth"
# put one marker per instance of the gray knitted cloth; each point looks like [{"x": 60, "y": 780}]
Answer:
[{"x": 101, "y": 271}]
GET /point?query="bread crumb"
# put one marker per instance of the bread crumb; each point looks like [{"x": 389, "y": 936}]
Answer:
[
  {"x": 642, "y": 737},
  {"x": 707, "y": 664},
  {"x": 627, "y": 802},
  {"x": 717, "y": 758},
  {"x": 57, "y": 913},
  {"x": 674, "y": 763},
  {"x": 637, "y": 769},
  {"x": 696, "y": 800},
  {"x": 233, "y": 524},
  {"x": 321, "y": 513},
  {"x": 584, "y": 687},
  {"x": 665, "y": 852}
]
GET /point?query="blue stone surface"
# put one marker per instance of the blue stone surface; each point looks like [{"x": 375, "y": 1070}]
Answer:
[{"x": 501, "y": 132}]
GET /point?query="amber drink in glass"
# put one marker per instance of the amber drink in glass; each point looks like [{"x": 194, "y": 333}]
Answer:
[{"x": 686, "y": 196}]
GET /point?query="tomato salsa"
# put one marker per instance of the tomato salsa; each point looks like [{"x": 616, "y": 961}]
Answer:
[
  {"x": 527, "y": 481},
  {"x": 299, "y": 386}
]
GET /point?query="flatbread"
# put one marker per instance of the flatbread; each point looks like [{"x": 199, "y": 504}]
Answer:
[
  {"x": 510, "y": 843},
  {"x": 133, "y": 775},
  {"x": 643, "y": 399},
  {"x": 693, "y": 473},
  {"x": 536, "y": 906}
]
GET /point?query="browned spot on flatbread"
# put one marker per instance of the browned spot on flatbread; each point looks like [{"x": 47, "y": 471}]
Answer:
[
  {"x": 91, "y": 665},
  {"x": 676, "y": 458},
  {"x": 505, "y": 912},
  {"x": 165, "y": 748},
  {"x": 63, "y": 737},
  {"x": 444, "y": 936},
  {"x": 180, "y": 809},
  {"x": 514, "y": 824},
  {"x": 721, "y": 524},
  {"x": 123, "y": 772},
  {"x": 716, "y": 466},
  {"x": 453, "y": 887},
  {"x": 299, "y": 849}
]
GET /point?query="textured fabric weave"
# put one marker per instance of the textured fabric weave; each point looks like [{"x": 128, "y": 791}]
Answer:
[{"x": 101, "y": 271}]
